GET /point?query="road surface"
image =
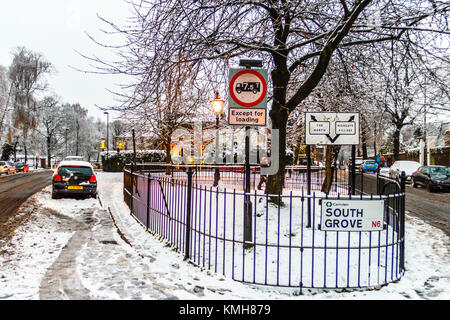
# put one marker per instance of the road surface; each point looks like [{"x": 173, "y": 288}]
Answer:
[
  {"x": 432, "y": 207},
  {"x": 15, "y": 189}
]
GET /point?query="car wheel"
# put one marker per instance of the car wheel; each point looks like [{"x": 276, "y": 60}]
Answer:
[
  {"x": 55, "y": 196},
  {"x": 413, "y": 182},
  {"x": 430, "y": 187}
]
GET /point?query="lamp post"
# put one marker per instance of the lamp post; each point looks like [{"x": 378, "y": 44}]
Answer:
[
  {"x": 66, "y": 140},
  {"x": 107, "y": 133},
  {"x": 217, "y": 106}
]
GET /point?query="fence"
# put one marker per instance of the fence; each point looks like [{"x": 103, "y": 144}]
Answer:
[{"x": 288, "y": 248}]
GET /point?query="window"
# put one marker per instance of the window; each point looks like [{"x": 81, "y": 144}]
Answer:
[
  {"x": 438, "y": 171},
  {"x": 80, "y": 171}
]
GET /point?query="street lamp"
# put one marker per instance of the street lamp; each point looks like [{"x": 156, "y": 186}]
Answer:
[
  {"x": 217, "y": 106},
  {"x": 66, "y": 140},
  {"x": 107, "y": 133}
]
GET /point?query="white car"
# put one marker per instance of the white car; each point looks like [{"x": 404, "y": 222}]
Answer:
[
  {"x": 74, "y": 158},
  {"x": 403, "y": 165}
]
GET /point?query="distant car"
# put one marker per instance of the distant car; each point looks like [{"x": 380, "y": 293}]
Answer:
[
  {"x": 432, "y": 177},
  {"x": 358, "y": 162},
  {"x": 384, "y": 172},
  {"x": 21, "y": 167},
  {"x": 74, "y": 178},
  {"x": 369, "y": 165},
  {"x": 74, "y": 158},
  {"x": 409, "y": 167},
  {"x": 7, "y": 167}
]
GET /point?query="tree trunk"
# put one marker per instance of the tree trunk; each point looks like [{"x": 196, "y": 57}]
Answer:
[
  {"x": 331, "y": 156},
  {"x": 375, "y": 151},
  {"x": 275, "y": 183},
  {"x": 396, "y": 138},
  {"x": 25, "y": 151},
  {"x": 49, "y": 156},
  {"x": 167, "y": 144},
  {"x": 279, "y": 116}
]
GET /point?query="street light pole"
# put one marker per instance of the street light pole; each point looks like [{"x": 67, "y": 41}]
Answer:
[
  {"x": 217, "y": 106},
  {"x": 66, "y": 140},
  {"x": 107, "y": 133},
  {"x": 425, "y": 155}
]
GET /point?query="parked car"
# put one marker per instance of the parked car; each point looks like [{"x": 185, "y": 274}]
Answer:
[
  {"x": 403, "y": 165},
  {"x": 358, "y": 162},
  {"x": 7, "y": 167},
  {"x": 384, "y": 172},
  {"x": 74, "y": 178},
  {"x": 432, "y": 177},
  {"x": 21, "y": 167},
  {"x": 369, "y": 165}
]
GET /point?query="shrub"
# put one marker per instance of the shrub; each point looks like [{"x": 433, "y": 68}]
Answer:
[{"x": 114, "y": 161}]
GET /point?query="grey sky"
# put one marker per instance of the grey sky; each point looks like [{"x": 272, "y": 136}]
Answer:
[{"x": 56, "y": 29}]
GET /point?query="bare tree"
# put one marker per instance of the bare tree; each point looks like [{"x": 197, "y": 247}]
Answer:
[
  {"x": 26, "y": 75},
  {"x": 296, "y": 39},
  {"x": 51, "y": 118}
]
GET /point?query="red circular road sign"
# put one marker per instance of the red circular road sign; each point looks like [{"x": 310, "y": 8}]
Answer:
[{"x": 248, "y": 88}]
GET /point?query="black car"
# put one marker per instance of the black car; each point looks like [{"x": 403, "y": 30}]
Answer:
[
  {"x": 74, "y": 178},
  {"x": 432, "y": 177}
]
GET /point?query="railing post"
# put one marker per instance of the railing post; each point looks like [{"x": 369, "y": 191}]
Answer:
[
  {"x": 308, "y": 183},
  {"x": 148, "y": 200},
  {"x": 188, "y": 215},
  {"x": 132, "y": 189},
  {"x": 402, "y": 219}
]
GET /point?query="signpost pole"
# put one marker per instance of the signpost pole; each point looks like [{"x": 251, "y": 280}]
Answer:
[
  {"x": 353, "y": 177},
  {"x": 308, "y": 182},
  {"x": 248, "y": 203}
]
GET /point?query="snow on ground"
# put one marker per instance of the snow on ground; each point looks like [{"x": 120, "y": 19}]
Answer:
[{"x": 70, "y": 249}]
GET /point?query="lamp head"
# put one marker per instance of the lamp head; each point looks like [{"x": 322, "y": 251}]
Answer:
[{"x": 217, "y": 104}]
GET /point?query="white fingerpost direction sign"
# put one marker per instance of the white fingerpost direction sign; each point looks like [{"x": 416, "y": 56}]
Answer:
[
  {"x": 352, "y": 215},
  {"x": 332, "y": 128},
  {"x": 247, "y": 99}
]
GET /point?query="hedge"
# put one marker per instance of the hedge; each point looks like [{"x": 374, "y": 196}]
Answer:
[{"x": 114, "y": 161}]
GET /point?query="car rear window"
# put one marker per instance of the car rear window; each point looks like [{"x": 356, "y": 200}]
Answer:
[
  {"x": 76, "y": 170},
  {"x": 371, "y": 162}
]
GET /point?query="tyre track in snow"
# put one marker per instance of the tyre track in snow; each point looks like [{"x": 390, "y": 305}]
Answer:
[{"x": 78, "y": 273}]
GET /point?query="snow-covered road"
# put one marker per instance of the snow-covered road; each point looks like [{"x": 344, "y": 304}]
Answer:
[{"x": 91, "y": 249}]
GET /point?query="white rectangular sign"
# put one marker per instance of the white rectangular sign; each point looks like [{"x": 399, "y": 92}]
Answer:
[
  {"x": 332, "y": 128},
  {"x": 247, "y": 117},
  {"x": 352, "y": 215}
]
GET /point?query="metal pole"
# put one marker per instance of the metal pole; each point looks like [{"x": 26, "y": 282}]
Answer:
[
  {"x": 66, "y": 140},
  {"x": 402, "y": 220},
  {"x": 134, "y": 147},
  {"x": 188, "y": 215},
  {"x": 425, "y": 155},
  {"x": 247, "y": 202},
  {"x": 216, "y": 170},
  {"x": 353, "y": 178},
  {"x": 107, "y": 134},
  {"x": 148, "y": 201},
  {"x": 308, "y": 182}
]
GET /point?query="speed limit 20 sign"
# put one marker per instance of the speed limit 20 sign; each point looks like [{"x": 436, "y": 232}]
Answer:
[{"x": 247, "y": 103}]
